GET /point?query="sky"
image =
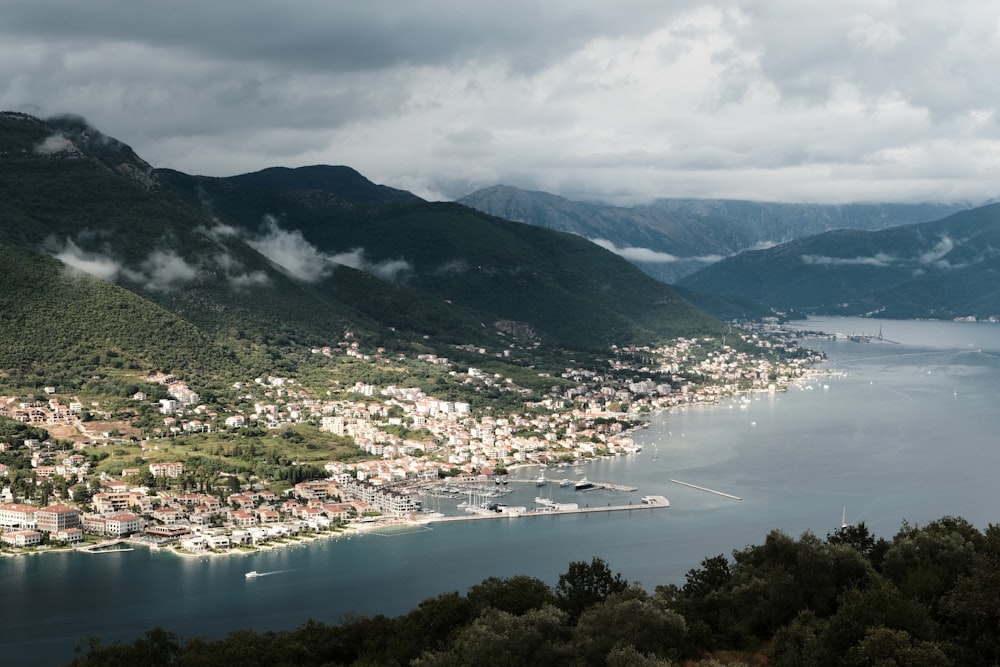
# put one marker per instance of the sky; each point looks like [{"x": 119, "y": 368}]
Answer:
[{"x": 623, "y": 102}]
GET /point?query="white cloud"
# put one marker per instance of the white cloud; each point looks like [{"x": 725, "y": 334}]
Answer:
[
  {"x": 292, "y": 252},
  {"x": 96, "y": 264},
  {"x": 937, "y": 253},
  {"x": 637, "y": 254},
  {"x": 54, "y": 144},
  {"x": 162, "y": 271},
  {"x": 650, "y": 256}
]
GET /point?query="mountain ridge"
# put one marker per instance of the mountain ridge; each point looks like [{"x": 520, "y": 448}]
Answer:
[{"x": 671, "y": 238}]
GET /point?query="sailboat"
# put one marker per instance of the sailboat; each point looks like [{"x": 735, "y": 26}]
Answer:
[{"x": 843, "y": 518}]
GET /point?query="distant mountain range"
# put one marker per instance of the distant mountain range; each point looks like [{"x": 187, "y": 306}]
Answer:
[
  {"x": 671, "y": 238},
  {"x": 944, "y": 269},
  {"x": 237, "y": 267}
]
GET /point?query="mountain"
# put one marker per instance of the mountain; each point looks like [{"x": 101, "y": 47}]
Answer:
[
  {"x": 564, "y": 288},
  {"x": 947, "y": 268},
  {"x": 244, "y": 267},
  {"x": 671, "y": 238}
]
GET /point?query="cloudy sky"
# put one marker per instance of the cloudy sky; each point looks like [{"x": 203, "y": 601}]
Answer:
[{"x": 782, "y": 100}]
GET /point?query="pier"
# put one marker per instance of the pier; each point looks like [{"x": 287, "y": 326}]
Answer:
[
  {"x": 648, "y": 503},
  {"x": 106, "y": 547},
  {"x": 702, "y": 488},
  {"x": 610, "y": 486}
]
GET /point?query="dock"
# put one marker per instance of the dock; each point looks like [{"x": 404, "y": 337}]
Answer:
[
  {"x": 648, "y": 503},
  {"x": 106, "y": 547},
  {"x": 702, "y": 488},
  {"x": 610, "y": 486}
]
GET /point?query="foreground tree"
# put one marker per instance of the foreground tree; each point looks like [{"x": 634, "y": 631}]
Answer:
[{"x": 585, "y": 584}]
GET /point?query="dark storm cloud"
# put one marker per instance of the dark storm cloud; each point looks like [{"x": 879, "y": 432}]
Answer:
[{"x": 791, "y": 100}]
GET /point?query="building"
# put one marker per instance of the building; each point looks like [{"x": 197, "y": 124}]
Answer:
[
  {"x": 69, "y": 536},
  {"x": 56, "y": 518},
  {"x": 173, "y": 470},
  {"x": 17, "y": 515},
  {"x": 22, "y": 538},
  {"x": 119, "y": 525},
  {"x": 107, "y": 502}
]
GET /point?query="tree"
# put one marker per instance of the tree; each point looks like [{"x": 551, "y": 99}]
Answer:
[
  {"x": 500, "y": 639},
  {"x": 859, "y": 538},
  {"x": 629, "y": 618},
  {"x": 883, "y": 646},
  {"x": 516, "y": 595},
  {"x": 971, "y": 610},
  {"x": 585, "y": 584}
]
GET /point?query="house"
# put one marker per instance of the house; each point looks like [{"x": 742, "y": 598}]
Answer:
[
  {"x": 167, "y": 515},
  {"x": 268, "y": 516},
  {"x": 242, "y": 518},
  {"x": 195, "y": 543}
]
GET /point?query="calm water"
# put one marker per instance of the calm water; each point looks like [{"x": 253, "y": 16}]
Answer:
[{"x": 905, "y": 432}]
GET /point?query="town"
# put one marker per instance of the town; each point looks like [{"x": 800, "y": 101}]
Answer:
[{"x": 59, "y": 492}]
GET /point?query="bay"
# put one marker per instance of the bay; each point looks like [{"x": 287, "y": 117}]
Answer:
[{"x": 903, "y": 430}]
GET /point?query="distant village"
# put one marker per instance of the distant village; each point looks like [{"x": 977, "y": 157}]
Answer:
[{"x": 585, "y": 415}]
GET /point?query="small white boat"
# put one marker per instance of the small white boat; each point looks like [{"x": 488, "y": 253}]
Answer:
[{"x": 251, "y": 574}]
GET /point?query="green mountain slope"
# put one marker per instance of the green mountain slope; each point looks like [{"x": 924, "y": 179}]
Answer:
[
  {"x": 61, "y": 323},
  {"x": 942, "y": 269},
  {"x": 565, "y": 289}
]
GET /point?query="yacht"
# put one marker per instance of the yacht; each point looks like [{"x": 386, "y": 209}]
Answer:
[{"x": 583, "y": 484}]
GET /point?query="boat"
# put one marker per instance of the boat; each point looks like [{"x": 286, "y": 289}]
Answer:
[
  {"x": 565, "y": 482},
  {"x": 583, "y": 484},
  {"x": 541, "y": 481},
  {"x": 252, "y": 574}
]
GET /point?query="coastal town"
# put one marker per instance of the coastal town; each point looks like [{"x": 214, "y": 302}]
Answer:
[{"x": 59, "y": 493}]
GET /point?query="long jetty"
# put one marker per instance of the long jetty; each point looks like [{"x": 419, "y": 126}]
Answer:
[{"x": 702, "y": 488}]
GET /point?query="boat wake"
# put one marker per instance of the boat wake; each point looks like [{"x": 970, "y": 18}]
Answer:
[{"x": 254, "y": 574}]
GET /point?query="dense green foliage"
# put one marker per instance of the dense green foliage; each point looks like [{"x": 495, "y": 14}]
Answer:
[
  {"x": 62, "y": 326},
  {"x": 928, "y": 597}
]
